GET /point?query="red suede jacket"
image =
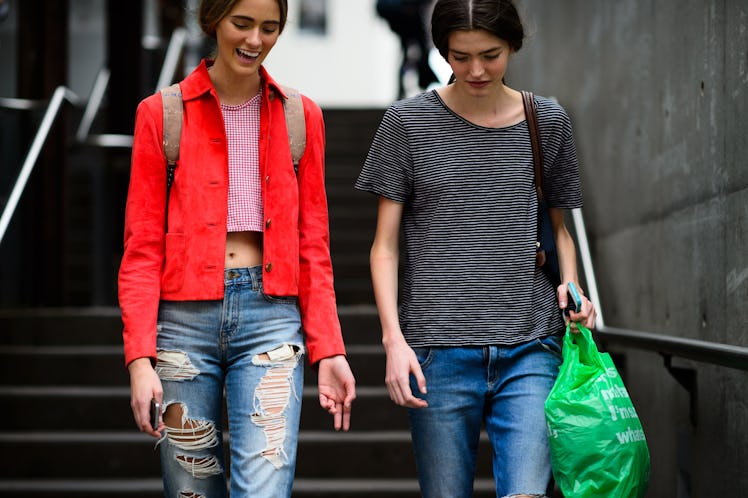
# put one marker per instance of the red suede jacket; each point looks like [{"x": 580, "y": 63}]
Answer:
[{"x": 187, "y": 263}]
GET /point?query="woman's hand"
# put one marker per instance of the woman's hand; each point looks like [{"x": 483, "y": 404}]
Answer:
[
  {"x": 586, "y": 315},
  {"x": 337, "y": 389},
  {"x": 145, "y": 386},
  {"x": 401, "y": 363}
]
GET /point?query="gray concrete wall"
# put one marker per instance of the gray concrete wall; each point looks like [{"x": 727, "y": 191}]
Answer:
[{"x": 658, "y": 93}]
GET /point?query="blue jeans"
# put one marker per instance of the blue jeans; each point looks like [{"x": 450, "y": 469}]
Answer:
[
  {"x": 504, "y": 388},
  {"x": 250, "y": 347}
]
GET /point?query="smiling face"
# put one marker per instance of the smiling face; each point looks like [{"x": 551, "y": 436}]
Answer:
[
  {"x": 246, "y": 35},
  {"x": 478, "y": 60}
]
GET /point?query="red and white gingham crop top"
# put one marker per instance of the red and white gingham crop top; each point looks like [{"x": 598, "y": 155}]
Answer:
[{"x": 242, "y": 124}]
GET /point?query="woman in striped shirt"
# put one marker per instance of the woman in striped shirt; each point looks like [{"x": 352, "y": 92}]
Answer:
[{"x": 475, "y": 336}]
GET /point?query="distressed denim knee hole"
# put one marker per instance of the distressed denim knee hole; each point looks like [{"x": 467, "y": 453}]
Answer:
[
  {"x": 272, "y": 396},
  {"x": 174, "y": 365},
  {"x": 191, "y": 435},
  {"x": 200, "y": 467}
]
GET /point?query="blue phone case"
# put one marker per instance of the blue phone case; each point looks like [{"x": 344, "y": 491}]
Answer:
[{"x": 576, "y": 300}]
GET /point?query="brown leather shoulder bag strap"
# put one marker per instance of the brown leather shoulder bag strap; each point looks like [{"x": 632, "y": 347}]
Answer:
[{"x": 537, "y": 149}]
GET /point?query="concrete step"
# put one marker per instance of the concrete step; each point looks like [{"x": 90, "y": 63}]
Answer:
[
  {"x": 90, "y": 326},
  {"x": 107, "y": 408},
  {"x": 151, "y": 488},
  {"x": 97, "y": 326},
  {"x": 121, "y": 455},
  {"x": 103, "y": 366}
]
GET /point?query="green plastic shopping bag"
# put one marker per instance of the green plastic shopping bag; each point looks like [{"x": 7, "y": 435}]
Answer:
[{"x": 598, "y": 448}]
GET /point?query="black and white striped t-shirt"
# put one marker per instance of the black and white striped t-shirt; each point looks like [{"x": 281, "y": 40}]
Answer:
[{"x": 469, "y": 220}]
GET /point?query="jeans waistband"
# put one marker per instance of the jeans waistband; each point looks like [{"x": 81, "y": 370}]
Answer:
[{"x": 238, "y": 276}]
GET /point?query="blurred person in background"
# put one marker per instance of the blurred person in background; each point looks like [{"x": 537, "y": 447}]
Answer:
[{"x": 407, "y": 19}]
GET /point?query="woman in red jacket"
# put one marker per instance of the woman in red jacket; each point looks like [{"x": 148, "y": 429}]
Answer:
[{"x": 238, "y": 287}]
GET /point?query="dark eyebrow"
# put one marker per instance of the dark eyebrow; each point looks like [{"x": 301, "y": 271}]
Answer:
[
  {"x": 251, "y": 19},
  {"x": 457, "y": 52}
]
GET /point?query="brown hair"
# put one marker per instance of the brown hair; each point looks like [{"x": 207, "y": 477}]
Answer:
[{"x": 210, "y": 13}]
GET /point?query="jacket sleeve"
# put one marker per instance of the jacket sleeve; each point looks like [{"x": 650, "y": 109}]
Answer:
[
  {"x": 319, "y": 314},
  {"x": 142, "y": 261}
]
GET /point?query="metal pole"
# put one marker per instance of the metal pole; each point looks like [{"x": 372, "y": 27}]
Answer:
[
  {"x": 94, "y": 102},
  {"x": 36, "y": 146},
  {"x": 589, "y": 271},
  {"x": 171, "y": 60}
]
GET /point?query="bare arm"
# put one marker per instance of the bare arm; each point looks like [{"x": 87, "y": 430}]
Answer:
[
  {"x": 384, "y": 260},
  {"x": 567, "y": 262}
]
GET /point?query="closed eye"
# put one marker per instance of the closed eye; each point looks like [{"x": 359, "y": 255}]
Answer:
[{"x": 270, "y": 27}]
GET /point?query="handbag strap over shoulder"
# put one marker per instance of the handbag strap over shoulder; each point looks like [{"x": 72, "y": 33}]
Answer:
[{"x": 531, "y": 115}]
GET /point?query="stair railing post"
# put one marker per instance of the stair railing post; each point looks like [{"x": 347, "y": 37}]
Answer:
[{"x": 61, "y": 93}]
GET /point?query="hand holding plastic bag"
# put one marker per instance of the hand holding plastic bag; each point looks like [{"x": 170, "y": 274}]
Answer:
[{"x": 597, "y": 442}]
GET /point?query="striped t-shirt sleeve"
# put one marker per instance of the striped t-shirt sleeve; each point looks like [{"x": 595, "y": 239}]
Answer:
[
  {"x": 388, "y": 169},
  {"x": 562, "y": 188}
]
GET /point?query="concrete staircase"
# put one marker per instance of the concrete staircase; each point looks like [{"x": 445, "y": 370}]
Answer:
[{"x": 66, "y": 428}]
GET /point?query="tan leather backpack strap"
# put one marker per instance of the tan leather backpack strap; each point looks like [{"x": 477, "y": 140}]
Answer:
[
  {"x": 295, "y": 123},
  {"x": 537, "y": 149},
  {"x": 173, "y": 110},
  {"x": 171, "y": 97}
]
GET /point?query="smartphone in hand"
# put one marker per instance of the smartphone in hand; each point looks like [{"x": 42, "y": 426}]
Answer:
[
  {"x": 575, "y": 299},
  {"x": 155, "y": 413}
]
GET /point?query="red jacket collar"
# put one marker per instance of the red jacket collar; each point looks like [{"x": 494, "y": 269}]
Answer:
[{"x": 198, "y": 82}]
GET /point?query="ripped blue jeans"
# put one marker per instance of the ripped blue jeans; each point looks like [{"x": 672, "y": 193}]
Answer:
[{"x": 250, "y": 347}]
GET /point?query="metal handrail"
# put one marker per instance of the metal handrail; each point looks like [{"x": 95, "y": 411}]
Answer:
[
  {"x": 83, "y": 135},
  {"x": 60, "y": 95},
  {"x": 21, "y": 104},
  {"x": 166, "y": 76},
  {"x": 171, "y": 59},
  {"x": 714, "y": 353},
  {"x": 583, "y": 244},
  {"x": 94, "y": 102},
  {"x": 168, "y": 70}
]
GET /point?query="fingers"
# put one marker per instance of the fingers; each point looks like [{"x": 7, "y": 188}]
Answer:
[
  {"x": 337, "y": 390},
  {"x": 347, "y": 407},
  {"x": 401, "y": 393},
  {"x": 401, "y": 364},
  {"x": 586, "y": 316},
  {"x": 562, "y": 296},
  {"x": 410, "y": 401},
  {"x": 589, "y": 322},
  {"x": 345, "y": 416},
  {"x": 333, "y": 408},
  {"x": 340, "y": 411},
  {"x": 420, "y": 379},
  {"x": 349, "y": 397},
  {"x": 144, "y": 386},
  {"x": 141, "y": 411}
]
